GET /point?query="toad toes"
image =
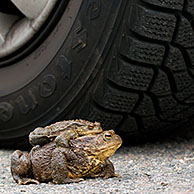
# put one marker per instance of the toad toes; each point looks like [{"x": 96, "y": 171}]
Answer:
[{"x": 87, "y": 156}]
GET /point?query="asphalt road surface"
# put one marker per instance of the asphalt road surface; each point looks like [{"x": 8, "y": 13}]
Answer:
[{"x": 160, "y": 167}]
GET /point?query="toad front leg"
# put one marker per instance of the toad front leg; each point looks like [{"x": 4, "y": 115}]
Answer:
[
  {"x": 21, "y": 168},
  {"x": 63, "y": 139},
  {"x": 60, "y": 173},
  {"x": 107, "y": 171}
]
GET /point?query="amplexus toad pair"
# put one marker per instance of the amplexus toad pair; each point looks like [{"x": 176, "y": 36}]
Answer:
[{"x": 66, "y": 152}]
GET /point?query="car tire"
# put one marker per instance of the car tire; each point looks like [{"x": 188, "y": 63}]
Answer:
[{"x": 126, "y": 64}]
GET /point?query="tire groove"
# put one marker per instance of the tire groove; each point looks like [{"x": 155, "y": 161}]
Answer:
[{"x": 158, "y": 8}]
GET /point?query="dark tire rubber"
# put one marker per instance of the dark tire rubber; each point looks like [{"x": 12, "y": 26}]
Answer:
[{"x": 128, "y": 64}]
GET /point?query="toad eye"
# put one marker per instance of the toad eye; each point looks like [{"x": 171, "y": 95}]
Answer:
[
  {"x": 90, "y": 127},
  {"x": 107, "y": 137}
]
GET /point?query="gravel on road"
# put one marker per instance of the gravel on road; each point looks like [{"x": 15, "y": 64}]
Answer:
[{"x": 160, "y": 167}]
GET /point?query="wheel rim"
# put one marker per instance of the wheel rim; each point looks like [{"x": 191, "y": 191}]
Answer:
[{"x": 21, "y": 22}]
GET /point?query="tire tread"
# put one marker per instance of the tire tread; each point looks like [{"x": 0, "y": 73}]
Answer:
[{"x": 153, "y": 60}]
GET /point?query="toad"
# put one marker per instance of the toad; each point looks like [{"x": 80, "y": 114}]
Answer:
[
  {"x": 86, "y": 156},
  {"x": 63, "y": 131}
]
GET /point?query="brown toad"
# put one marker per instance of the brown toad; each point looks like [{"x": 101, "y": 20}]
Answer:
[
  {"x": 87, "y": 156},
  {"x": 63, "y": 131}
]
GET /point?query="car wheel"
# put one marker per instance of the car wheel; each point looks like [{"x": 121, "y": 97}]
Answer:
[{"x": 126, "y": 64}]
